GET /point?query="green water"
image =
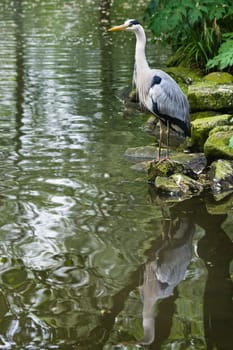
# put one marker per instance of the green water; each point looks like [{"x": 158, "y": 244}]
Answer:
[{"x": 79, "y": 230}]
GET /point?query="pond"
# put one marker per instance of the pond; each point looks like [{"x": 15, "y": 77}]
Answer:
[{"x": 91, "y": 257}]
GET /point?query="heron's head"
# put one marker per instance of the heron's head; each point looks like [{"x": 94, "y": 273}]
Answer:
[{"x": 131, "y": 24}]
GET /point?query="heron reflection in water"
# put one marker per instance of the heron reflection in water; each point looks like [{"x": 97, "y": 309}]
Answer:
[
  {"x": 158, "y": 92},
  {"x": 164, "y": 272}
]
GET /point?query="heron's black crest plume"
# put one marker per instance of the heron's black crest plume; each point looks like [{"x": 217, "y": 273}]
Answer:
[{"x": 134, "y": 21}]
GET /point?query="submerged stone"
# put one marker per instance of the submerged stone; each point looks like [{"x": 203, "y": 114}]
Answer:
[
  {"x": 219, "y": 143},
  {"x": 142, "y": 152},
  {"x": 202, "y": 127}
]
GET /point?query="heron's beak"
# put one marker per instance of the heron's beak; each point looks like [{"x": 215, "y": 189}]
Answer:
[{"x": 121, "y": 27}]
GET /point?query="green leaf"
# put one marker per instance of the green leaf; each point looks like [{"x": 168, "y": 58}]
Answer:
[
  {"x": 197, "y": 30},
  {"x": 231, "y": 142}
]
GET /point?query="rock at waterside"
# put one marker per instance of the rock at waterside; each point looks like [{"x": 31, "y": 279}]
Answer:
[
  {"x": 178, "y": 185},
  {"x": 219, "y": 78},
  {"x": 221, "y": 179},
  {"x": 201, "y": 128},
  {"x": 142, "y": 155},
  {"x": 174, "y": 179},
  {"x": 209, "y": 96},
  {"x": 184, "y": 76},
  {"x": 219, "y": 143},
  {"x": 166, "y": 168},
  {"x": 221, "y": 176},
  {"x": 203, "y": 114}
]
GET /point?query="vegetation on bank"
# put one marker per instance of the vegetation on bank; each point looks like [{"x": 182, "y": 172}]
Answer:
[{"x": 200, "y": 32}]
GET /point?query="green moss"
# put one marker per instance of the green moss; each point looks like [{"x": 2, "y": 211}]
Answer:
[
  {"x": 231, "y": 142},
  {"x": 204, "y": 114},
  {"x": 178, "y": 184},
  {"x": 208, "y": 96},
  {"x": 167, "y": 185},
  {"x": 217, "y": 144},
  {"x": 224, "y": 128},
  {"x": 163, "y": 168},
  {"x": 201, "y": 128},
  {"x": 219, "y": 78},
  {"x": 221, "y": 176},
  {"x": 184, "y": 75},
  {"x": 222, "y": 169}
]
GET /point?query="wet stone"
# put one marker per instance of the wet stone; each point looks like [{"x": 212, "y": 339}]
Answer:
[
  {"x": 209, "y": 96},
  {"x": 166, "y": 168},
  {"x": 178, "y": 185},
  {"x": 221, "y": 176},
  {"x": 219, "y": 143},
  {"x": 201, "y": 128}
]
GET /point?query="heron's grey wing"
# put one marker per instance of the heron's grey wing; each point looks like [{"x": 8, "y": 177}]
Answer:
[{"x": 168, "y": 102}]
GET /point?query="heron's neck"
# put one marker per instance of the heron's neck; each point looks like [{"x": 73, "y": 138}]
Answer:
[
  {"x": 140, "y": 56},
  {"x": 141, "y": 68}
]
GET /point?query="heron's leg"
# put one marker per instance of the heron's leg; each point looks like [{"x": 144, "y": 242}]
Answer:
[
  {"x": 160, "y": 137},
  {"x": 168, "y": 137}
]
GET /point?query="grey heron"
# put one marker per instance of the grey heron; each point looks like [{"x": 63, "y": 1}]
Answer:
[{"x": 158, "y": 92}]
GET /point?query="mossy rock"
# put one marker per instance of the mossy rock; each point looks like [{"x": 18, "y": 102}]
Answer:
[
  {"x": 166, "y": 168},
  {"x": 203, "y": 114},
  {"x": 144, "y": 155},
  {"x": 219, "y": 144},
  {"x": 208, "y": 96},
  {"x": 184, "y": 75},
  {"x": 221, "y": 175},
  {"x": 219, "y": 78},
  {"x": 202, "y": 127},
  {"x": 178, "y": 185}
]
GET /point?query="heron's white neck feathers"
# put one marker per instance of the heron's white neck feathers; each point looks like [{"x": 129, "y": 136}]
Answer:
[{"x": 141, "y": 66}]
